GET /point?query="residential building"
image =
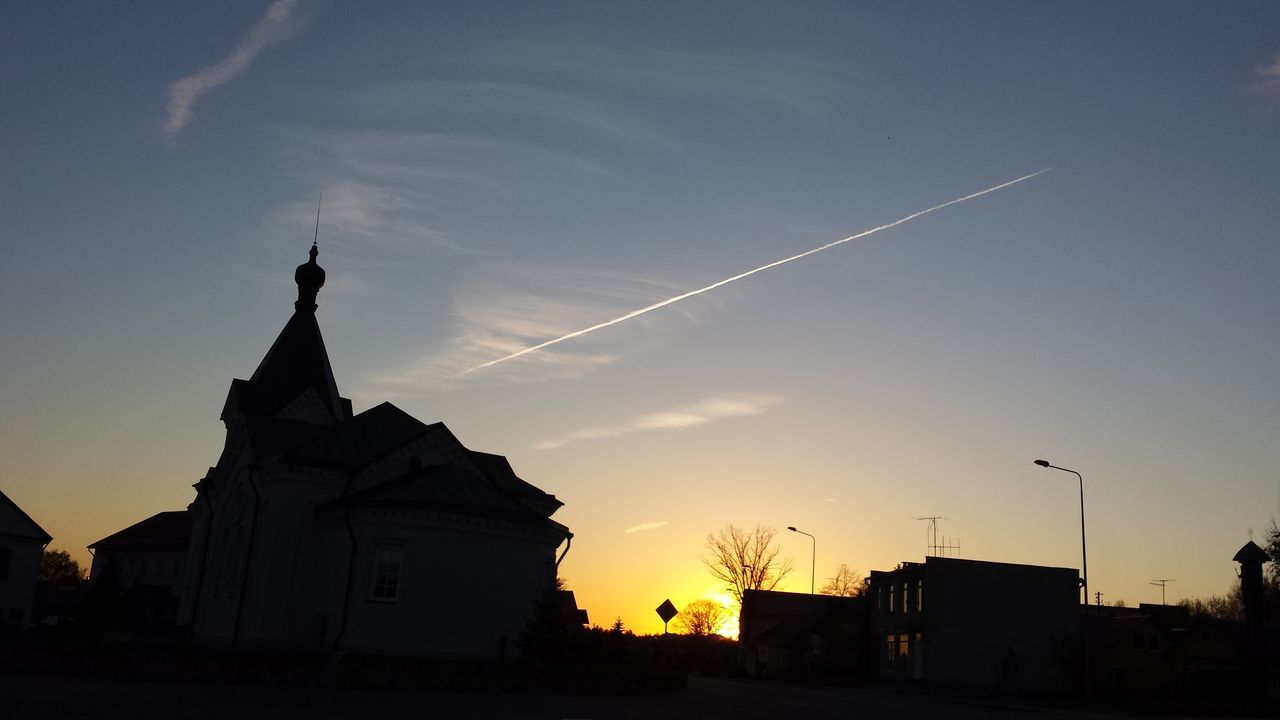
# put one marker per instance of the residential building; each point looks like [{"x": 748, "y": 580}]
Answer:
[
  {"x": 973, "y": 623},
  {"x": 144, "y": 565},
  {"x": 788, "y": 635},
  {"x": 22, "y": 542}
]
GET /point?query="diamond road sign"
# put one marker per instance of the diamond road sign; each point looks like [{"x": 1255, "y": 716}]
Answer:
[{"x": 666, "y": 611}]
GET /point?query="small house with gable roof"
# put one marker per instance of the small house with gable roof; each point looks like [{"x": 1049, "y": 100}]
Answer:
[{"x": 22, "y": 542}]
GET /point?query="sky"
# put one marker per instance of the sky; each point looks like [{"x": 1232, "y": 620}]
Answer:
[{"x": 496, "y": 175}]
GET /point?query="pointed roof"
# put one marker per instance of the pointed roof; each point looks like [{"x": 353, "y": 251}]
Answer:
[
  {"x": 296, "y": 361},
  {"x": 15, "y": 523},
  {"x": 1251, "y": 553}
]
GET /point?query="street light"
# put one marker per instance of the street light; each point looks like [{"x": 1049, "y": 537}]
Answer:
[
  {"x": 813, "y": 563},
  {"x": 1084, "y": 560},
  {"x": 1084, "y": 555}
]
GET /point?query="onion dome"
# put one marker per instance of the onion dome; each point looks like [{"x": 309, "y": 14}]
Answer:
[{"x": 310, "y": 278}]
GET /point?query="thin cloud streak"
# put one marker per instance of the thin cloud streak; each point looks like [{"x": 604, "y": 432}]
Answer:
[
  {"x": 700, "y": 413},
  {"x": 762, "y": 268},
  {"x": 645, "y": 526},
  {"x": 505, "y": 306},
  {"x": 276, "y": 25}
]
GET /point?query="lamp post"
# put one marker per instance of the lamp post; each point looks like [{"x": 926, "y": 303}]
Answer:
[
  {"x": 813, "y": 562},
  {"x": 1084, "y": 562},
  {"x": 813, "y": 630},
  {"x": 1084, "y": 555}
]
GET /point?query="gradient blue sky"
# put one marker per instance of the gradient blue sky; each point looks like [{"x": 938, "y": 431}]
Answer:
[{"x": 498, "y": 174}]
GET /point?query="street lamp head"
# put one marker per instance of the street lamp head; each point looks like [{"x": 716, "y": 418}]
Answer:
[
  {"x": 1042, "y": 463},
  {"x": 792, "y": 528}
]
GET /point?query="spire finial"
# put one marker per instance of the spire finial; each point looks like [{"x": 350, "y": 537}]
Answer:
[
  {"x": 316, "y": 239},
  {"x": 310, "y": 276}
]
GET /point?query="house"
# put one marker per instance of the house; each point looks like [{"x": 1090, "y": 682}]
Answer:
[
  {"x": 22, "y": 542},
  {"x": 321, "y": 528},
  {"x": 799, "y": 635},
  {"x": 980, "y": 624},
  {"x": 1133, "y": 648},
  {"x": 143, "y": 564}
]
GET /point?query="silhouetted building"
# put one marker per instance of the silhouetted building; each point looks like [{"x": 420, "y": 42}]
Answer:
[
  {"x": 143, "y": 564},
  {"x": 373, "y": 532},
  {"x": 1135, "y": 647},
  {"x": 981, "y": 624},
  {"x": 798, "y": 635},
  {"x": 22, "y": 542}
]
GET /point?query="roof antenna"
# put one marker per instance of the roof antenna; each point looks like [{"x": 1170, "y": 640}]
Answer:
[{"x": 317, "y": 236}]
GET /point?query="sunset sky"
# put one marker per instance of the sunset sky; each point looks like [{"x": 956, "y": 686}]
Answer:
[{"x": 500, "y": 174}]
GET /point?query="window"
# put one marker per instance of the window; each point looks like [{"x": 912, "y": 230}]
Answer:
[
  {"x": 387, "y": 562},
  {"x": 907, "y": 605},
  {"x": 890, "y": 648},
  {"x": 6, "y": 558},
  {"x": 919, "y": 596},
  {"x": 892, "y": 597}
]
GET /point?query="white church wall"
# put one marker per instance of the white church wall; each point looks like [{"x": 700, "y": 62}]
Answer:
[{"x": 460, "y": 590}]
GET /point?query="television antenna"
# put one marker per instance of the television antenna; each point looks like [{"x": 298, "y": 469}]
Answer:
[
  {"x": 932, "y": 546},
  {"x": 1162, "y": 582}
]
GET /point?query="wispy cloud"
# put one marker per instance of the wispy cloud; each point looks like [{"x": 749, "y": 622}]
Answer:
[
  {"x": 429, "y": 101},
  {"x": 700, "y": 413},
  {"x": 501, "y": 307},
  {"x": 278, "y": 24},
  {"x": 1270, "y": 75},
  {"x": 760, "y": 78},
  {"x": 645, "y": 526}
]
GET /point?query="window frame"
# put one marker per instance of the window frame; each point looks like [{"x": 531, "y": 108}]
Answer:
[{"x": 378, "y": 584}]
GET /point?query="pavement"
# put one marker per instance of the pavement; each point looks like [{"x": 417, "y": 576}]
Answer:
[{"x": 51, "y": 696}]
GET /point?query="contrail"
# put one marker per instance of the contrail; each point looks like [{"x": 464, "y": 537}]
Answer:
[{"x": 726, "y": 281}]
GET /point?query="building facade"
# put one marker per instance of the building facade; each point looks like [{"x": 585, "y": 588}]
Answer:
[
  {"x": 22, "y": 542},
  {"x": 980, "y": 624},
  {"x": 143, "y": 565}
]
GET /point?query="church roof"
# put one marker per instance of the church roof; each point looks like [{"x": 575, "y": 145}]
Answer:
[
  {"x": 163, "y": 531},
  {"x": 364, "y": 438},
  {"x": 296, "y": 361},
  {"x": 499, "y": 469},
  {"x": 444, "y": 487},
  {"x": 291, "y": 413}
]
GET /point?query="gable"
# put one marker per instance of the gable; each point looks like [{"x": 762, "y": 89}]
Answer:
[
  {"x": 307, "y": 407},
  {"x": 16, "y": 524}
]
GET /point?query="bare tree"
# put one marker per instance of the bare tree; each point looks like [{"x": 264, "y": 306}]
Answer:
[
  {"x": 745, "y": 559},
  {"x": 846, "y": 583},
  {"x": 701, "y": 618}
]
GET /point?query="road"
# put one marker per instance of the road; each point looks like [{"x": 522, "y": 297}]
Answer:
[{"x": 47, "y": 696}]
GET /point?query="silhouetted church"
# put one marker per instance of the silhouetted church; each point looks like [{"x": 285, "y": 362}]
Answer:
[{"x": 372, "y": 532}]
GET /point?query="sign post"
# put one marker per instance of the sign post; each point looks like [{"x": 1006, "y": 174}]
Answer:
[{"x": 666, "y": 611}]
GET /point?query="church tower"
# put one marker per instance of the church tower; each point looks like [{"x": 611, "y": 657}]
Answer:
[{"x": 294, "y": 381}]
